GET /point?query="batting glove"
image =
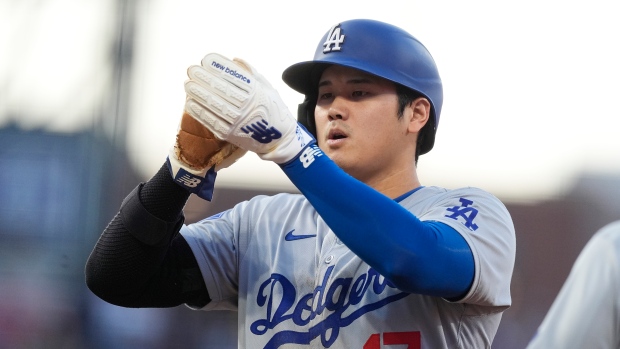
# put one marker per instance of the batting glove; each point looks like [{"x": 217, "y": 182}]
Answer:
[
  {"x": 239, "y": 105},
  {"x": 197, "y": 155}
]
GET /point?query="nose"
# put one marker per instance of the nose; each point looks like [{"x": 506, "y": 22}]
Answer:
[{"x": 337, "y": 109}]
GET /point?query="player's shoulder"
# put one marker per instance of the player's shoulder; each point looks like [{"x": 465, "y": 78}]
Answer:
[
  {"x": 262, "y": 204},
  {"x": 279, "y": 197},
  {"x": 280, "y": 200},
  {"x": 611, "y": 229},
  {"x": 605, "y": 238},
  {"x": 609, "y": 234},
  {"x": 440, "y": 193},
  {"x": 432, "y": 198}
]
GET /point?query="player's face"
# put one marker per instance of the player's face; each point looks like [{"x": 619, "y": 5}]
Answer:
[{"x": 358, "y": 125}]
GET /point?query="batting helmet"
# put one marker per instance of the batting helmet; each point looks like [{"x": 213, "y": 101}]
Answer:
[{"x": 377, "y": 48}]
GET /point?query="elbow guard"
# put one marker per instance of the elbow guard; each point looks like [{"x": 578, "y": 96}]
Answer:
[{"x": 144, "y": 226}]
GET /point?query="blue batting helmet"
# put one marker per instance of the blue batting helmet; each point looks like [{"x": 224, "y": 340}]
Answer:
[{"x": 377, "y": 48}]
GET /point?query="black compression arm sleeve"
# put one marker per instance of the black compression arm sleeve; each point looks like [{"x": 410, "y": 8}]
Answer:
[{"x": 140, "y": 260}]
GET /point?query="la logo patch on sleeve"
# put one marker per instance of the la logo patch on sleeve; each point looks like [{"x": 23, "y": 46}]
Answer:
[{"x": 466, "y": 212}]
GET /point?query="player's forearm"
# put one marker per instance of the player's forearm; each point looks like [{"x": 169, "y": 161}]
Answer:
[
  {"x": 419, "y": 257},
  {"x": 132, "y": 248}
]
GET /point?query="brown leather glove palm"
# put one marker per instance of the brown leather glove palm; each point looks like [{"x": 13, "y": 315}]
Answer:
[{"x": 197, "y": 155}]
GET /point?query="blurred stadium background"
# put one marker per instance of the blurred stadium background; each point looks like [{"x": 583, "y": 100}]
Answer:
[{"x": 66, "y": 163}]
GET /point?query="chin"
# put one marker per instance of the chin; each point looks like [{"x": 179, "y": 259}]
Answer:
[
  {"x": 347, "y": 163},
  {"x": 346, "y": 166}
]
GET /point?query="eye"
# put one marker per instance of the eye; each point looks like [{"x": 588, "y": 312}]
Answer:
[
  {"x": 326, "y": 95},
  {"x": 359, "y": 93}
]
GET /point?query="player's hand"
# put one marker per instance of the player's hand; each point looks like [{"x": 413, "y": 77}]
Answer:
[
  {"x": 239, "y": 106},
  {"x": 197, "y": 155}
]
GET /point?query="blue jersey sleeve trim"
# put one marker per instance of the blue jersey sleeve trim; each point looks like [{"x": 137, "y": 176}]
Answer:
[{"x": 416, "y": 256}]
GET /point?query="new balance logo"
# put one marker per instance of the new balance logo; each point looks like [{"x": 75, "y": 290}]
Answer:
[
  {"x": 292, "y": 237},
  {"x": 309, "y": 154},
  {"x": 261, "y": 131},
  {"x": 189, "y": 181},
  {"x": 333, "y": 40}
]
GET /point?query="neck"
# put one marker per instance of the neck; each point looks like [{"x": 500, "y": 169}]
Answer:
[{"x": 394, "y": 184}]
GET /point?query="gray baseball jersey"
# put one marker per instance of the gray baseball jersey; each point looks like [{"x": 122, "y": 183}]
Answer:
[
  {"x": 586, "y": 312},
  {"x": 276, "y": 262}
]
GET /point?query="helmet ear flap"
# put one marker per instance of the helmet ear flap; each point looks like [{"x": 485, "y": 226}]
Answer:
[{"x": 305, "y": 114}]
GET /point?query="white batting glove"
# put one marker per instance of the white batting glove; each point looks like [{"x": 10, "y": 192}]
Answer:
[{"x": 239, "y": 106}]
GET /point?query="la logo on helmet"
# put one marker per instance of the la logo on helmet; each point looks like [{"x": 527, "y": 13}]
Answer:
[{"x": 333, "y": 38}]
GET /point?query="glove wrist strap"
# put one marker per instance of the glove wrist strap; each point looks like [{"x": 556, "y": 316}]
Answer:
[
  {"x": 201, "y": 183},
  {"x": 290, "y": 147}
]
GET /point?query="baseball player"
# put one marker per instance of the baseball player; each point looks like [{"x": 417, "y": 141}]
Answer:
[
  {"x": 586, "y": 312},
  {"x": 365, "y": 257}
]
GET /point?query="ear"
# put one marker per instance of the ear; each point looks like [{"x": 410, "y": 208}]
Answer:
[{"x": 418, "y": 112}]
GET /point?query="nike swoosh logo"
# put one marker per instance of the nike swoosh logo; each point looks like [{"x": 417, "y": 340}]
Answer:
[{"x": 291, "y": 237}]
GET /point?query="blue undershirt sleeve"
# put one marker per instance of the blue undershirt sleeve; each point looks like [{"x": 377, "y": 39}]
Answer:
[{"x": 424, "y": 257}]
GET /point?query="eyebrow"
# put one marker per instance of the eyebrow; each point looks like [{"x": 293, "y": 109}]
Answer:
[{"x": 353, "y": 81}]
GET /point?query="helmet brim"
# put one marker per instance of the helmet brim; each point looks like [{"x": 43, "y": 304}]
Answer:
[{"x": 304, "y": 77}]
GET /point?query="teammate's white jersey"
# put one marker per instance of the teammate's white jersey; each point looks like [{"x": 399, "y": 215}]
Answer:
[
  {"x": 586, "y": 312},
  {"x": 293, "y": 282}
]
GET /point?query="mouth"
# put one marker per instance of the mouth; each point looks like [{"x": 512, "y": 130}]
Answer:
[
  {"x": 335, "y": 138},
  {"x": 335, "y": 135}
]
